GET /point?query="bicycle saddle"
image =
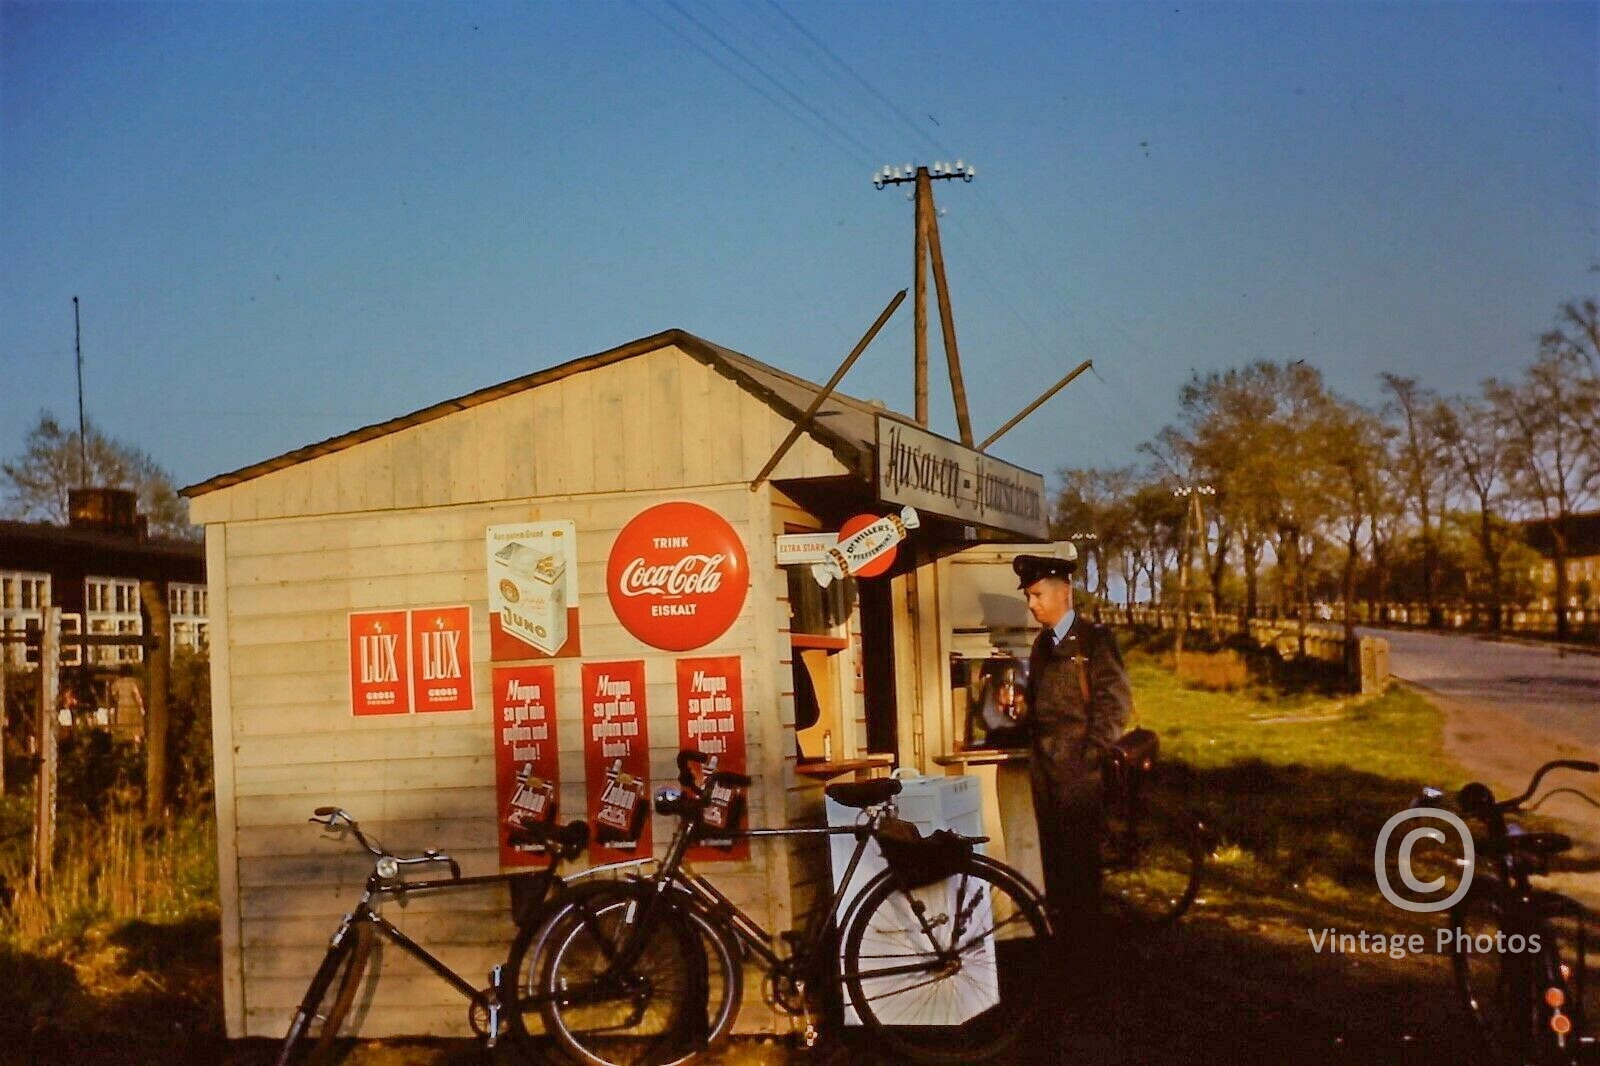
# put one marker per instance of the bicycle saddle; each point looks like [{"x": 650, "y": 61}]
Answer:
[
  {"x": 1528, "y": 843},
  {"x": 569, "y": 839},
  {"x": 863, "y": 794}
]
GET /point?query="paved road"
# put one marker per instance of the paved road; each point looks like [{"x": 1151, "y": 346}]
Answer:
[
  {"x": 1556, "y": 692},
  {"x": 1509, "y": 708}
]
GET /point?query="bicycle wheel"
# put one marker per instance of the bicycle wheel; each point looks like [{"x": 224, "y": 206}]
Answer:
[
  {"x": 313, "y": 1038},
  {"x": 1493, "y": 983},
  {"x": 674, "y": 995},
  {"x": 1150, "y": 859},
  {"x": 950, "y": 972}
]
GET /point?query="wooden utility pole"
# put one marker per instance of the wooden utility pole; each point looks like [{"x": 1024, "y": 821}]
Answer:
[
  {"x": 947, "y": 321},
  {"x": 1192, "y": 527},
  {"x": 158, "y": 658},
  {"x": 44, "y": 785},
  {"x": 926, "y": 245},
  {"x": 919, "y": 302}
]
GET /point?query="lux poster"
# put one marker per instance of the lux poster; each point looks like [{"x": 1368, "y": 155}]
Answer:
[
  {"x": 533, "y": 590},
  {"x": 527, "y": 769},
  {"x": 616, "y": 760},
  {"x": 380, "y": 670},
  {"x": 441, "y": 659},
  {"x": 711, "y": 721}
]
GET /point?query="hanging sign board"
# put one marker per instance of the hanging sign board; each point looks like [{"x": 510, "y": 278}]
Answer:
[
  {"x": 527, "y": 769},
  {"x": 945, "y": 478},
  {"x": 533, "y": 590},
  {"x": 441, "y": 659},
  {"x": 380, "y": 670},
  {"x": 711, "y": 721},
  {"x": 616, "y": 760},
  {"x": 677, "y": 576},
  {"x": 796, "y": 549},
  {"x": 867, "y": 546}
]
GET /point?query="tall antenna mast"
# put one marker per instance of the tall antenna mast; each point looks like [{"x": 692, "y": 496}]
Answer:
[{"x": 83, "y": 434}]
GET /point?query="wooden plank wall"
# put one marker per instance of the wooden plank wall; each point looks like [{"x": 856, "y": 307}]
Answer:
[
  {"x": 660, "y": 420},
  {"x": 399, "y": 522}
]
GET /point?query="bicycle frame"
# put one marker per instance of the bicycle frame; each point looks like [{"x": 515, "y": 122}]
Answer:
[{"x": 752, "y": 934}]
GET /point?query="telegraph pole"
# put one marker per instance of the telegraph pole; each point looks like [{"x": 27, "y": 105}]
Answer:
[{"x": 927, "y": 245}]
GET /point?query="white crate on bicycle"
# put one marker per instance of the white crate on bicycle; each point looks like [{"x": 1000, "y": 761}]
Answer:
[{"x": 929, "y": 803}]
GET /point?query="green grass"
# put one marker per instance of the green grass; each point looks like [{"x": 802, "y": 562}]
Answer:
[{"x": 1295, "y": 789}]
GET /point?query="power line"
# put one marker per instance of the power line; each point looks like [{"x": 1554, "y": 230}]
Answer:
[
  {"x": 848, "y": 69},
  {"x": 759, "y": 69},
  {"x": 738, "y": 76}
]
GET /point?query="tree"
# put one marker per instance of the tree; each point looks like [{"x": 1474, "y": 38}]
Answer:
[
  {"x": 1226, "y": 420},
  {"x": 36, "y": 483},
  {"x": 1550, "y": 415},
  {"x": 1478, "y": 442},
  {"x": 1354, "y": 448},
  {"x": 1422, "y": 466}
]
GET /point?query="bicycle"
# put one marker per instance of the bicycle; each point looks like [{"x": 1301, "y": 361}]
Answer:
[
  {"x": 1151, "y": 853},
  {"x": 939, "y": 956},
  {"x": 1522, "y": 957},
  {"x": 314, "y": 1033}
]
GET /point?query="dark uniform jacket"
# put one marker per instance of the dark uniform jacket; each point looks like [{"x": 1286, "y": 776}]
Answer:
[
  {"x": 1069, "y": 732},
  {"x": 1078, "y": 702}
]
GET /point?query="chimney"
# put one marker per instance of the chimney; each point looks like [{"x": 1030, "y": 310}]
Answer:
[{"x": 106, "y": 511}]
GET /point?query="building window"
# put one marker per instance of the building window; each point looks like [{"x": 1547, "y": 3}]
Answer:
[
  {"x": 189, "y": 624},
  {"x": 112, "y": 606},
  {"x": 23, "y": 597}
]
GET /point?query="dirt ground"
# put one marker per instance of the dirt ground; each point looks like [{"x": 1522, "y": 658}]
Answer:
[
  {"x": 1210, "y": 991},
  {"x": 1504, "y": 752}
]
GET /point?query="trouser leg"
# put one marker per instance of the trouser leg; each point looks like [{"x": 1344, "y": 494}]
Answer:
[{"x": 1069, "y": 818}]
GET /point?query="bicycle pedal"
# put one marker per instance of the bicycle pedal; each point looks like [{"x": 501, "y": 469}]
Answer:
[{"x": 811, "y": 1036}]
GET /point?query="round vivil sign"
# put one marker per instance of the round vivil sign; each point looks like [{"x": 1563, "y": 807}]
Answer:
[{"x": 677, "y": 576}]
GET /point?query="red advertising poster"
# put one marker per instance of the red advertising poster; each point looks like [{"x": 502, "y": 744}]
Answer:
[
  {"x": 711, "y": 720},
  {"x": 533, "y": 590},
  {"x": 441, "y": 659},
  {"x": 380, "y": 674},
  {"x": 677, "y": 576},
  {"x": 616, "y": 760},
  {"x": 527, "y": 770}
]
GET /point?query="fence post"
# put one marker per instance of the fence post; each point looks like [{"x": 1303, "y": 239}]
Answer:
[
  {"x": 44, "y": 785},
  {"x": 158, "y": 660},
  {"x": 5, "y": 665}
]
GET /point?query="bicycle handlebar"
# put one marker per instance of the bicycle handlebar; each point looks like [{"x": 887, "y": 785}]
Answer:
[
  {"x": 333, "y": 816},
  {"x": 1477, "y": 796}
]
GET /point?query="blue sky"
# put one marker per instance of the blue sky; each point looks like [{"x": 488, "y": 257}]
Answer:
[{"x": 288, "y": 220}]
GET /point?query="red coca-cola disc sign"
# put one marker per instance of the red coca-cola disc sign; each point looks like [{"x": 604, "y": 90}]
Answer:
[{"x": 677, "y": 576}]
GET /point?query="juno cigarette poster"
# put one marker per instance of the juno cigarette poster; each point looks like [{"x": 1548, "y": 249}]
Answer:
[
  {"x": 616, "y": 760},
  {"x": 527, "y": 768},
  {"x": 711, "y": 721},
  {"x": 533, "y": 590},
  {"x": 380, "y": 671}
]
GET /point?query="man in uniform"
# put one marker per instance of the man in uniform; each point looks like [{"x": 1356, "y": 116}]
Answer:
[{"x": 1079, "y": 701}]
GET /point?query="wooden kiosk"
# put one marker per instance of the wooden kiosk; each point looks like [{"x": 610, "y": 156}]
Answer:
[{"x": 563, "y": 578}]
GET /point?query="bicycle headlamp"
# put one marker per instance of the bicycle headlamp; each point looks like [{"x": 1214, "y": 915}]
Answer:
[
  {"x": 668, "y": 799},
  {"x": 388, "y": 867}
]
